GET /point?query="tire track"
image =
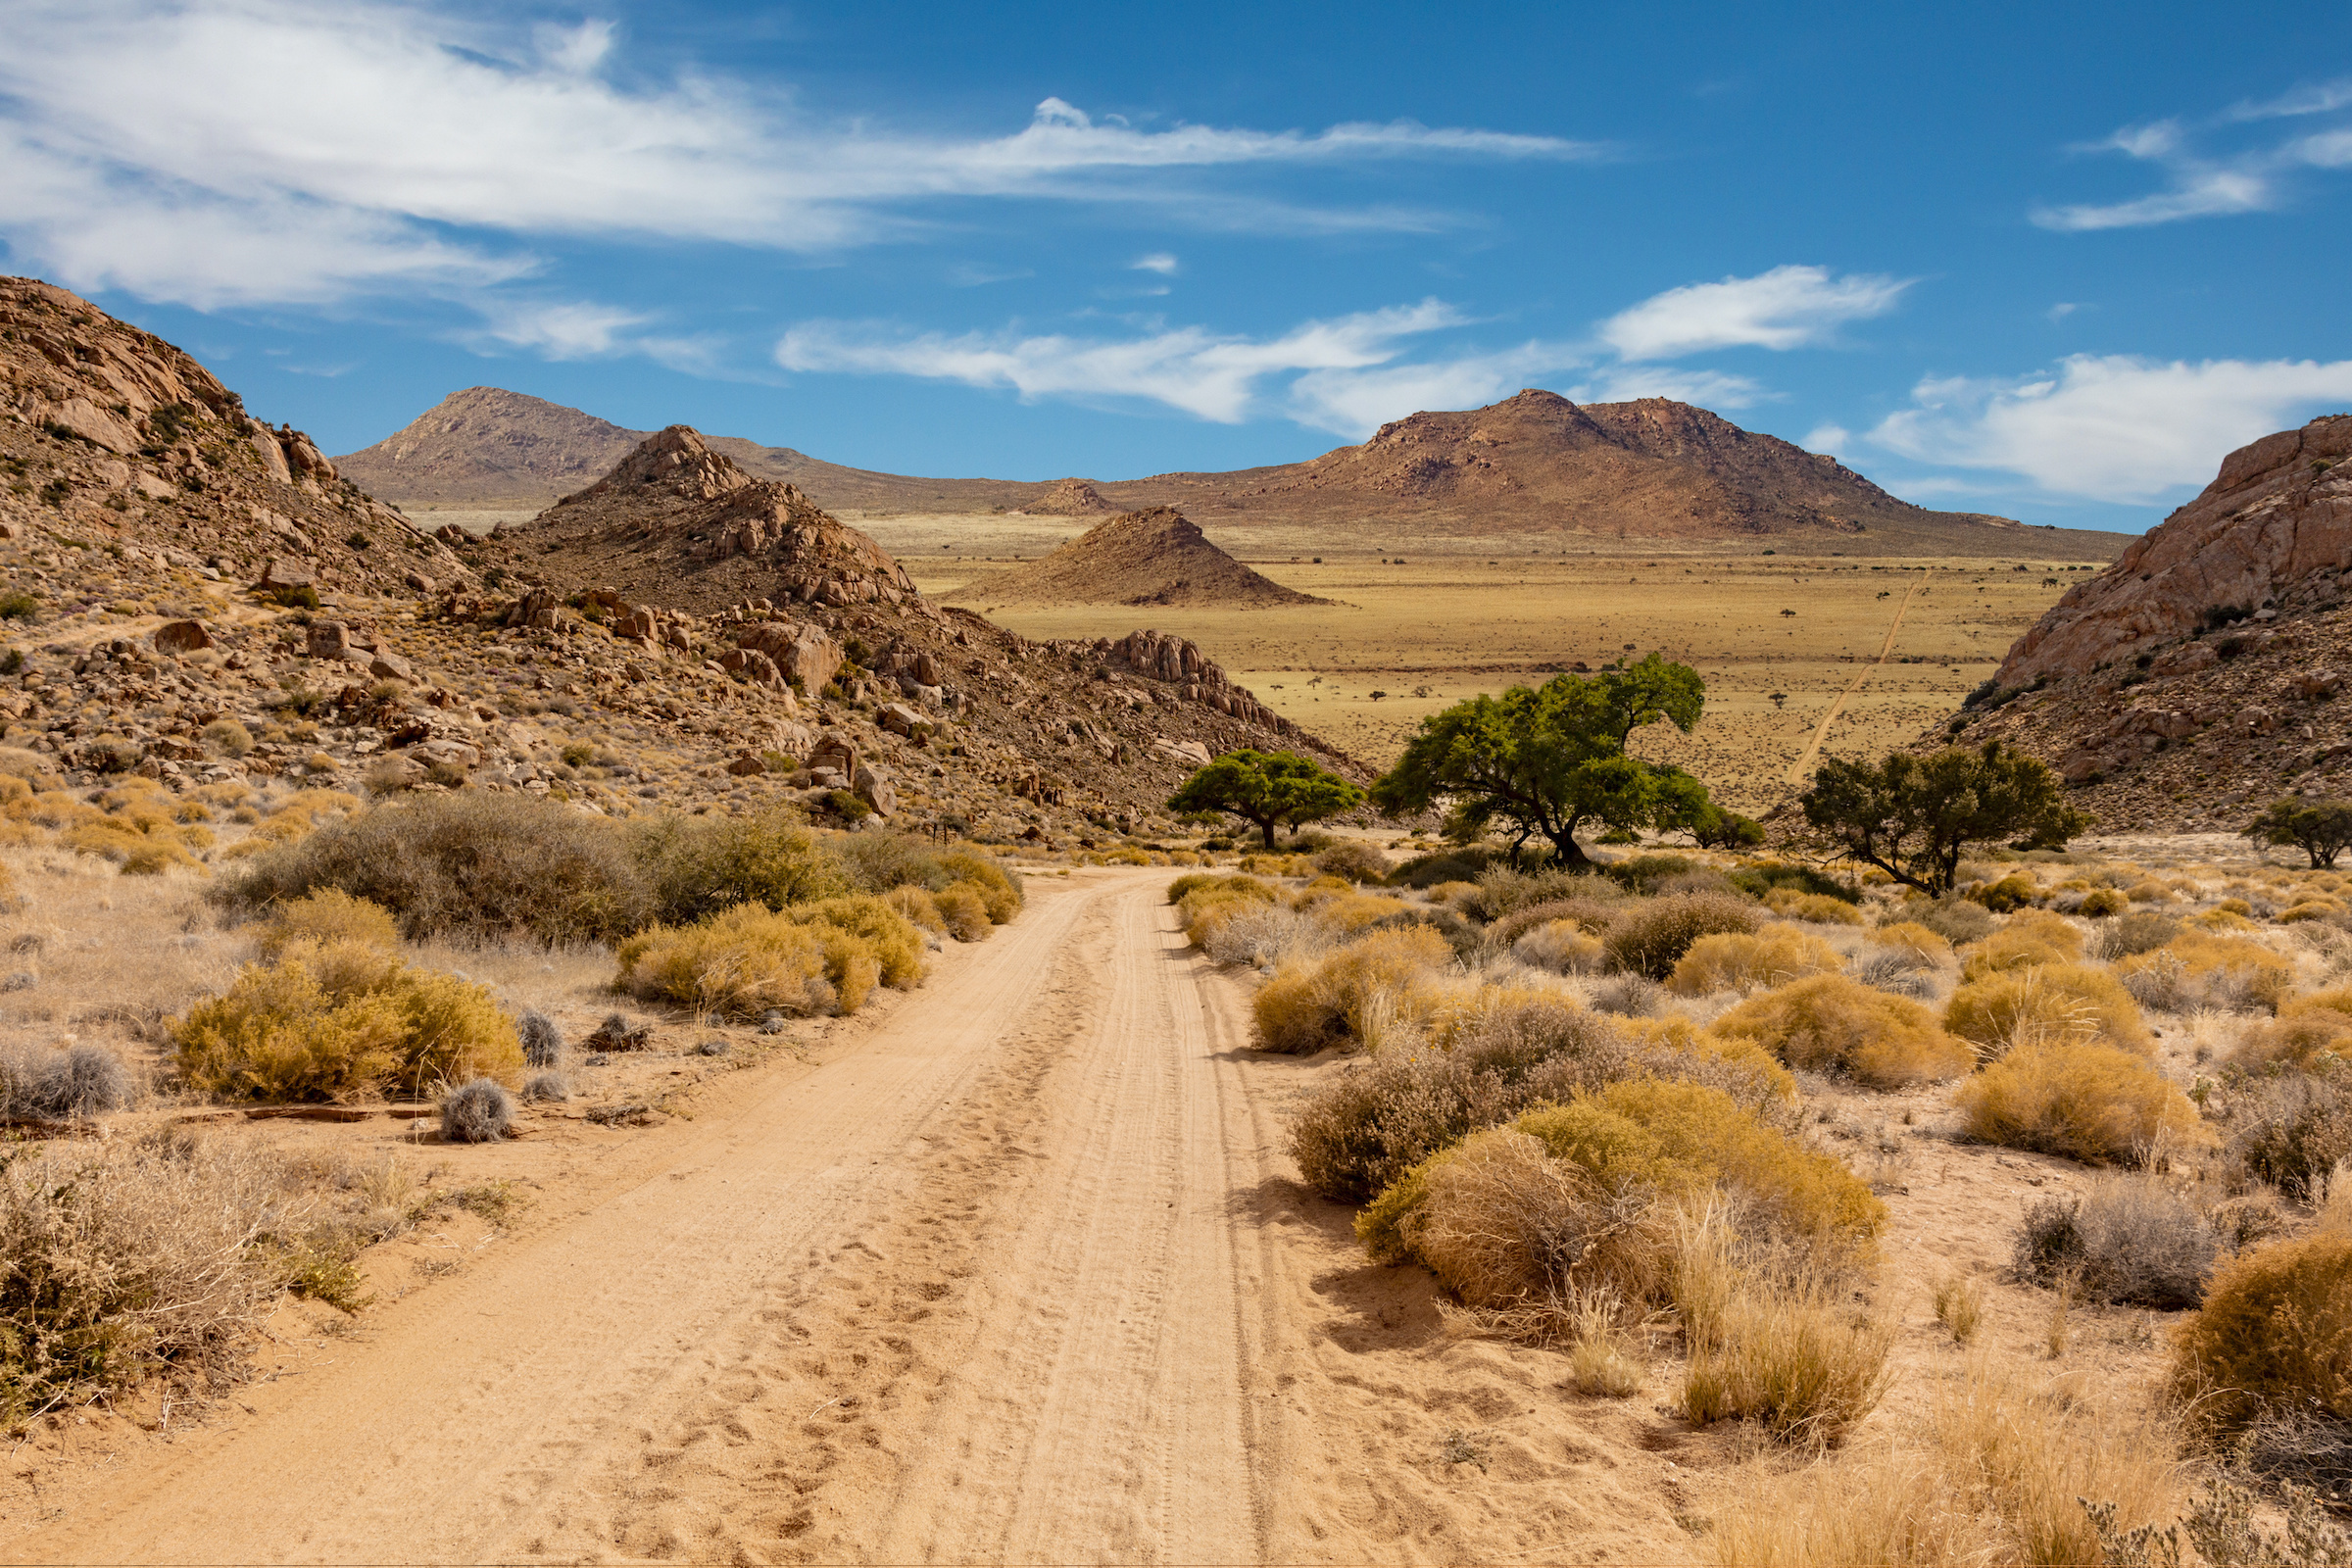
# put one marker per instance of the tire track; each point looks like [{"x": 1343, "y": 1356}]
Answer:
[{"x": 1821, "y": 732}]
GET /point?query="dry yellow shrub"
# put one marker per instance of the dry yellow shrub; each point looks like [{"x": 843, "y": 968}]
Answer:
[
  {"x": 1560, "y": 946},
  {"x": 1829, "y": 1023},
  {"x": 2034, "y": 936},
  {"x": 2295, "y": 1039},
  {"x": 999, "y": 888},
  {"x": 329, "y": 915},
  {"x": 1348, "y": 913},
  {"x": 1909, "y": 936},
  {"x": 2088, "y": 1102},
  {"x": 1747, "y": 1057},
  {"x": 1733, "y": 960},
  {"x": 1316, "y": 1002},
  {"x": 898, "y": 947},
  {"x": 2149, "y": 891},
  {"x": 2222, "y": 970},
  {"x": 965, "y": 912},
  {"x": 749, "y": 959},
  {"x": 1791, "y": 905},
  {"x": 2309, "y": 909},
  {"x": 918, "y": 905},
  {"x": 343, "y": 1021},
  {"x": 2275, "y": 1334},
  {"x": 2047, "y": 1003}
]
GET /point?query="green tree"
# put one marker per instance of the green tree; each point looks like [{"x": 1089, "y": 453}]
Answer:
[
  {"x": 1548, "y": 760},
  {"x": 1267, "y": 788},
  {"x": 1911, "y": 817},
  {"x": 1715, "y": 828},
  {"x": 2321, "y": 829}
]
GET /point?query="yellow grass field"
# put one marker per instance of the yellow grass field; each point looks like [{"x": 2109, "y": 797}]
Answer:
[{"x": 1778, "y": 638}]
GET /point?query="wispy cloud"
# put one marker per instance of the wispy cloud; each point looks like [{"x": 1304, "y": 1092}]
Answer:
[
  {"x": 2215, "y": 184},
  {"x": 1208, "y": 375},
  {"x": 1160, "y": 262},
  {"x": 1789, "y": 306},
  {"x": 214, "y": 152},
  {"x": 2111, "y": 427}
]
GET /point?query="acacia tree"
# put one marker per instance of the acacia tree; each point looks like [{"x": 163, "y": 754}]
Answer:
[
  {"x": 2321, "y": 829},
  {"x": 1548, "y": 760},
  {"x": 1267, "y": 788},
  {"x": 1911, "y": 817}
]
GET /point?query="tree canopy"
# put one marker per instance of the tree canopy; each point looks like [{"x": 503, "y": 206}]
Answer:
[
  {"x": 1911, "y": 817},
  {"x": 1550, "y": 760},
  {"x": 1267, "y": 788},
  {"x": 2321, "y": 829}
]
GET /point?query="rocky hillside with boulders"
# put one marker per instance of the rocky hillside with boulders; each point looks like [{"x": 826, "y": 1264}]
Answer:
[
  {"x": 688, "y": 560},
  {"x": 115, "y": 440},
  {"x": 196, "y": 598},
  {"x": 2200, "y": 675},
  {"x": 1154, "y": 557}
]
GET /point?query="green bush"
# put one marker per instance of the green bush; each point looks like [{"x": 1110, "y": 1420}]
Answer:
[
  {"x": 466, "y": 864},
  {"x": 698, "y": 866}
]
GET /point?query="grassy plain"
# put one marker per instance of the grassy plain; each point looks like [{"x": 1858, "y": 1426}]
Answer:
[{"x": 1780, "y": 638}]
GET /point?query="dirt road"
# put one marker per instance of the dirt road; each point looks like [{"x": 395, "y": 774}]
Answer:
[{"x": 1024, "y": 1277}]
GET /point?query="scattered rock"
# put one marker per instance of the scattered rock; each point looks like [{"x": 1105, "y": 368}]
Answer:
[{"x": 181, "y": 637}]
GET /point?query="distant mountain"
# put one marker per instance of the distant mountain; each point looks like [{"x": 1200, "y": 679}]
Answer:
[
  {"x": 1533, "y": 463},
  {"x": 1155, "y": 557}
]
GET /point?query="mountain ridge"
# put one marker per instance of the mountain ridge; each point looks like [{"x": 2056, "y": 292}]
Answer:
[{"x": 1531, "y": 464}]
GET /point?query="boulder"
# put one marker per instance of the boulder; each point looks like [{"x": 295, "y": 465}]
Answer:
[
  {"x": 875, "y": 791},
  {"x": 281, "y": 573},
  {"x": 448, "y": 753},
  {"x": 181, "y": 637},
  {"x": 804, "y": 652},
  {"x": 329, "y": 639},
  {"x": 386, "y": 666},
  {"x": 832, "y": 752},
  {"x": 747, "y": 766},
  {"x": 899, "y": 719}
]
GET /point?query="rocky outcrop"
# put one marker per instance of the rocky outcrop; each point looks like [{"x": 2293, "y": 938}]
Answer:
[
  {"x": 1069, "y": 498},
  {"x": 2274, "y": 527},
  {"x": 113, "y": 436},
  {"x": 1154, "y": 557},
  {"x": 2200, "y": 675}
]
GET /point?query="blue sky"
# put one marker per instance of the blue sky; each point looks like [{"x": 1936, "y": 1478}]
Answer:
[{"x": 2050, "y": 261}]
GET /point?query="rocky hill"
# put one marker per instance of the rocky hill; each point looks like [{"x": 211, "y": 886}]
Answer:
[
  {"x": 113, "y": 439},
  {"x": 2200, "y": 675},
  {"x": 1155, "y": 557},
  {"x": 194, "y": 597},
  {"x": 819, "y": 633},
  {"x": 1533, "y": 464}
]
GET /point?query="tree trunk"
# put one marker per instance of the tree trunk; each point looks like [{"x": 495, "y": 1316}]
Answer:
[
  {"x": 1568, "y": 853},
  {"x": 1266, "y": 826}
]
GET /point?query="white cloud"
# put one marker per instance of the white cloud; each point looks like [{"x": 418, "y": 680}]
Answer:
[
  {"x": 1830, "y": 438},
  {"x": 2062, "y": 310},
  {"x": 220, "y": 151},
  {"x": 2111, "y": 427},
  {"x": 2253, "y": 180},
  {"x": 1205, "y": 374},
  {"x": 1786, "y": 308},
  {"x": 564, "y": 331},
  {"x": 1159, "y": 261},
  {"x": 2325, "y": 98}
]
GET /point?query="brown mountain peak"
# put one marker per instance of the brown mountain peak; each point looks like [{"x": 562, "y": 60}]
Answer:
[{"x": 675, "y": 459}]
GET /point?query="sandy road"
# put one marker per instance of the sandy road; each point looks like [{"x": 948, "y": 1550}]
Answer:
[
  {"x": 1821, "y": 731},
  {"x": 977, "y": 1291}
]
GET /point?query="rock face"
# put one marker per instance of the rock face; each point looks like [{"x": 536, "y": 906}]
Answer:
[
  {"x": 117, "y": 437},
  {"x": 2198, "y": 676},
  {"x": 1155, "y": 557},
  {"x": 487, "y": 445},
  {"x": 2275, "y": 525}
]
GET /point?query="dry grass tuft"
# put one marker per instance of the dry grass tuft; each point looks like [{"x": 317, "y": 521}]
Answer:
[
  {"x": 1829, "y": 1023},
  {"x": 1316, "y": 1002},
  {"x": 1651, "y": 936},
  {"x": 2086, "y": 1101},
  {"x": 750, "y": 960},
  {"x": 2051, "y": 1004},
  {"x": 1741, "y": 961},
  {"x": 2275, "y": 1335}
]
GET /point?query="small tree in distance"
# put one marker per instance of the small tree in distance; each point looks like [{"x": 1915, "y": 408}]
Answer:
[
  {"x": 1911, "y": 817},
  {"x": 1268, "y": 790},
  {"x": 2321, "y": 829},
  {"x": 1549, "y": 760}
]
